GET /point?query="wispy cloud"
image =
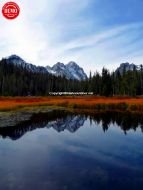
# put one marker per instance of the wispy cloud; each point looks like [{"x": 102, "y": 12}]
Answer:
[{"x": 90, "y": 32}]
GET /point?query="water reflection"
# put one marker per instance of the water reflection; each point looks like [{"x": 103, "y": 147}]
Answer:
[
  {"x": 61, "y": 120},
  {"x": 126, "y": 121},
  {"x": 72, "y": 151}
]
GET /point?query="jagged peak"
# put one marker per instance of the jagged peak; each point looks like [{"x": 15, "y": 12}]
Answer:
[
  {"x": 72, "y": 64},
  {"x": 14, "y": 56},
  {"x": 124, "y": 64},
  {"x": 59, "y": 64},
  {"x": 70, "y": 70}
]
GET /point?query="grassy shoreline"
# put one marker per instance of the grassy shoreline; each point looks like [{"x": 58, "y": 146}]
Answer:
[{"x": 85, "y": 102}]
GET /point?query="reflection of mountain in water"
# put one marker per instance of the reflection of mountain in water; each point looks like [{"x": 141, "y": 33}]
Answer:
[
  {"x": 61, "y": 120},
  {"x": 71, "y": 123}
]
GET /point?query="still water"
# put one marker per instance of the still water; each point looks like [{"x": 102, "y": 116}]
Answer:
[{"x": 60, "y": 150}]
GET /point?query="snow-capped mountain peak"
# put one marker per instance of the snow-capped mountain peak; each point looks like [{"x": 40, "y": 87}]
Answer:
[
  {"x": 69, "y": 71},
  {"x": 19, "y": 62},
  {"x": 72, "y": 64},
  {"x": 124, "y": 67},
  {"x": 58, "y": 66},
  {"x": 77, "y": 71},
  {"x": 15, "y": 60}
]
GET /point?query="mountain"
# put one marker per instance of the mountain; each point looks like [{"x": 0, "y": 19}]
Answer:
[
  {"x": 76, "y": 71},
  {"x": 19, "y": 62},
  {"x": 127, "y": 67},
  {"x": 70, "y": 70}
]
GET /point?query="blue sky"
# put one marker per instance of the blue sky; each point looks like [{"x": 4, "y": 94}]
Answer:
[{"x": 94, "y": 33}]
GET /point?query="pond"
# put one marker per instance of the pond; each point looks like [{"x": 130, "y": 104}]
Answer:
[{"x": 62, "y": 150}]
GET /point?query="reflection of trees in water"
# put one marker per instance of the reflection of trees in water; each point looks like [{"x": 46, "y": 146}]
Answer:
[
  {"x": 125, "y": 121},
  {"x": 61, "y": 120},
  {"x": 58, "y": 119}
]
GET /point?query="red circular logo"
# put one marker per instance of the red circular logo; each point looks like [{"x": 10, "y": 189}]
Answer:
[{"x": 10, "y": 10}]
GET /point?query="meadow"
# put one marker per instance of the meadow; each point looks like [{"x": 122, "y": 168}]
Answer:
[{"x": 75, "y": 102}]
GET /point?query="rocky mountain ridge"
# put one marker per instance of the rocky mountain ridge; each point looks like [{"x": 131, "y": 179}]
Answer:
[{"x": 70, "y": 70}]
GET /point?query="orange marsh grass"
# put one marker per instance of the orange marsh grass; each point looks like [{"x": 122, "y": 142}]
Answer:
[{"x": 80, "y": 102}]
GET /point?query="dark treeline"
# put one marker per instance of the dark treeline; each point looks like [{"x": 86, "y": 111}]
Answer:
[
  {"x": 127, "y": 83},
  {"x": 18, "y": 81}
]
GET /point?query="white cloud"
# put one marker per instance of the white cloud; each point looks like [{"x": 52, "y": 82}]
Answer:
[{"x": 39, "y": 35}]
